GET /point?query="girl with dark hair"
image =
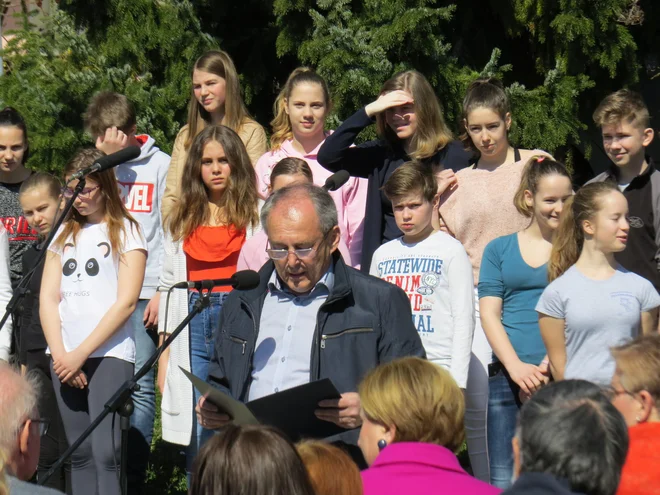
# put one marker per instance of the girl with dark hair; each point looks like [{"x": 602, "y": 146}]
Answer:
[
  {"x": 249, "y": 460},
  {"x": 299, "y": 132},
  {"x": 40, "y": 200},
  {"x": 592, "y": 303},
  {"x": 410, "y": 125},
  {"x": 203, "y": 238},
  {"x": 480, "y": 209},
  {"x": 14, "y": 152},
  {"x": 215, "y": 99},
  {"x": 92, "y": 279},
  {"x": 513, "y": 274}
]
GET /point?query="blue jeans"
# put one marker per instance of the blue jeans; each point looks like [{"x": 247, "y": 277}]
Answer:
[
  {"x": 203, "y": 329},
  {"x": 503, "y": 406},
  {"x": 144, "y": 400}
]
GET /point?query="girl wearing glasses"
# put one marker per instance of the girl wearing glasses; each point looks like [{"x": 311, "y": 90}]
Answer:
[
  {"x": 92, "y": 278},
  {"x": 40, "y": 200},
  {"x": 207, "y": 227}
]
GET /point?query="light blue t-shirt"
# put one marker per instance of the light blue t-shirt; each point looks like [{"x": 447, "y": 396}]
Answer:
[
  {"x": 505, "y": 274},
  {"x": 599, "y": 315}
]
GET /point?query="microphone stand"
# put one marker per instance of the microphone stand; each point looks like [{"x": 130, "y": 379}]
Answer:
[
  {"x": 121, "y": 401},
  {"x": 21, "y": 290}
]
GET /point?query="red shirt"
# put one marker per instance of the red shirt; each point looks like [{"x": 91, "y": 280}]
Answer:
[
  {"x": 641, "y": 473},
  {"x": 212, "y": 252}
]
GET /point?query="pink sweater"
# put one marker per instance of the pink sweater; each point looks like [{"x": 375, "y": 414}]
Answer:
[
  {"x": 481, "y": 208},
  {"x": 350, "y": 199},
  {"x": 420, "y": 469}
]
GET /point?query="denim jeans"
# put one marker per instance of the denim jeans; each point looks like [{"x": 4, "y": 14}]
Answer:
[
  {"x": 503, "y": 406},
  {"x": 203, "y": 329},
  {"x": 144, "y": 401}
]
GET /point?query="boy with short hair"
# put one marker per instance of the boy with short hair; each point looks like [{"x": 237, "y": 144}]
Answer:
[
  {"x": 432, "y": 267},
  {"x": 111, "y": 120},
  {"x": 625, "y": 124}
]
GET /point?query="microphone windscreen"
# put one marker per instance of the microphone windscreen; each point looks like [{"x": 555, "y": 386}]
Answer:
[
  {"x": 122, "y": 156},
  {"x": 336, "y": 180},
  {"x": 245, "y": 280}
]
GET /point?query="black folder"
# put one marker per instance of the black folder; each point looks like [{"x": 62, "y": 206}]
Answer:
[{"x": 291, "y": 411}]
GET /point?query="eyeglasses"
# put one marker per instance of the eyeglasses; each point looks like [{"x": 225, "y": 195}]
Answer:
[
  {"x": 279, "y": 254},
  {"x": 42, "y": 423},
  {"x": 85, "y": 193},
  {"x": 611, "y": 393}
]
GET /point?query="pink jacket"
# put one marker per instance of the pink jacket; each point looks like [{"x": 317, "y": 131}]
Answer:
[
  {"x": 422, "y": 469},
  {"x": 253, "y": 253},
  {"x": 350, "y": 199}
]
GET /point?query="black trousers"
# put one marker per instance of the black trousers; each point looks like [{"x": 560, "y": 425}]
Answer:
[{"x": 54, "y": 443}]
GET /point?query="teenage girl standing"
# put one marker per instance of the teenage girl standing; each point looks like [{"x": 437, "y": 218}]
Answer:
[
  {"x": 92, "y": 279},
  {"x": 216, "y": 99},
  {"x": 203, "y": 240},
  {"x": 299, "y": 132},
  {"x": 514, "y": 272},
  {"x": 410, "y": 126},
  {"x": 476, "y": 211},
  {"x": 40, "y": 200},
  {"x": 592, "y": 303}
]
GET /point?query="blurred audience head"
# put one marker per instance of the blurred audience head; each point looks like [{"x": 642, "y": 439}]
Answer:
[
  {"x": 410, "y": 400},
  {"x": 331, "y": 470},
  {"x": 571, "y": 431},
  {"x": 20, "y": 425},
  {"x": 635, "y": 390},
  {"x": 249, "y": 460}
]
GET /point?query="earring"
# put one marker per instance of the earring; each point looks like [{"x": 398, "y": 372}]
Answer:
[
  {"x": 637, "y": 418},
  {"x": 381, "y": 444}
]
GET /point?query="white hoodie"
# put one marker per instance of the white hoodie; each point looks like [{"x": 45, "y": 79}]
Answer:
[{"x": 142, "y": 185}]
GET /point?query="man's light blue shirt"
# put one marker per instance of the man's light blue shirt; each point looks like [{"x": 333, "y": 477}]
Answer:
[{"x": 286, "y": 331}]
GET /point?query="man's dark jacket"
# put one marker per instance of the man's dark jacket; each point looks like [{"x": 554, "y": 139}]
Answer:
[{"x": 364, "y": 322}]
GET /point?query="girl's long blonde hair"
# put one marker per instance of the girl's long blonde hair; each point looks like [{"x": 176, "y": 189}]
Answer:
[
  {"x": 281, "y": 125},
  {"x": 219, "y": 63},
  {"x": 115, "y": 210},
  {"x": 569, "y": 238},
  {"x": 432, "y": 133},
  {"x": 239, "y": 200}
]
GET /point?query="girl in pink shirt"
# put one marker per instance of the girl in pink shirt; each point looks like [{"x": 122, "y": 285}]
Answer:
[
  {"x": 299, "y": 131},
  {"x": 476, "y": 208}
]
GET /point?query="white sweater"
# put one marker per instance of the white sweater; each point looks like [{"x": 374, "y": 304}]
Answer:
[
  {"x": 177, "y": 403},
  {"x": 5, "y": 295}
]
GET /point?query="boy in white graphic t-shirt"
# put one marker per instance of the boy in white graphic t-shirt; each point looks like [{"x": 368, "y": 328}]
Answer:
[{"x": 432, "y": 267}]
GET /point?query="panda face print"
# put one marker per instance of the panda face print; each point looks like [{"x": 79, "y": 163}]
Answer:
[{"x": 91, "y": 266}]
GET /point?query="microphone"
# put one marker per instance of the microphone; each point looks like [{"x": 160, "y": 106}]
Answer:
[
  {"x": 336, "y": 180},
  {"x": 109, "y": 161},
  {"x": 243, "y": 280}
]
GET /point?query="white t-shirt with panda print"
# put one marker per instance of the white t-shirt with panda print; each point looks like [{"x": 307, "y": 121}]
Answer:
[{"x": 90, "y": 274}]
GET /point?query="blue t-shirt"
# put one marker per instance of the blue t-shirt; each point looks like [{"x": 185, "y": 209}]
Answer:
[{"x": 505, "y": 274}]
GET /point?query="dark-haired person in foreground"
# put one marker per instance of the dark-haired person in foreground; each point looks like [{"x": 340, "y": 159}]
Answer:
[
  {"x": 311, "y": 317},
  {"x": 570, "y": 440}
]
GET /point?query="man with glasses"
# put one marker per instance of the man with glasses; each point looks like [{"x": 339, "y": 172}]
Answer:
[
  {"x": 21, "y": 430},
  {"x": 312, "y": 316}
]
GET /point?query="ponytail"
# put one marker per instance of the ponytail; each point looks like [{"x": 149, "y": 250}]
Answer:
[
  {"x": 281, "y": 125},
  {"x": 569, "y": 238},
  {"x": 536, "y": 168}
]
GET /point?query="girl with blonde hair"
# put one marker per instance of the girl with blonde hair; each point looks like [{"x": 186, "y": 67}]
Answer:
[
  {"x": 91, "y": 281},
  {"x": 410, "y": 125},
  {"x": 203, "y": 238},
  {"x": 299, "y": 131},
  {"x": 592, "y": 303},
  {"x": 216, "y": 99}
]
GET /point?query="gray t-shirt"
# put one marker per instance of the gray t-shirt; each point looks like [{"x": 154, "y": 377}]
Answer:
[
  {"x": 18, "y": 487},
  {"x": 599, "y": 314}
]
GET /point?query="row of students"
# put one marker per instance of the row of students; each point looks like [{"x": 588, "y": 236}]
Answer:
[{"x": 409, "y": 131}]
